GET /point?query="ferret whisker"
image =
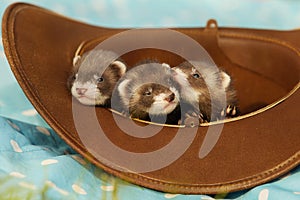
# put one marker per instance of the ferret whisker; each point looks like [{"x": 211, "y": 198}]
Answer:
[{"x": 60, "y": 82}]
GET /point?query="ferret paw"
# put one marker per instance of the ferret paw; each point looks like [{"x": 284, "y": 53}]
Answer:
[
  {"x": 191, "y": 122},
  {"x": 193, "y": 119}
]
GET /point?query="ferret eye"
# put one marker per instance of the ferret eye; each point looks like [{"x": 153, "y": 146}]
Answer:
[
  {"x": 147, "y": 93},
  {"x": 99, "y": 80},
  {"x": 196, "y": 75}
]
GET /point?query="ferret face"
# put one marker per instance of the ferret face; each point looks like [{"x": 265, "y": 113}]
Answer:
[
  {"x": 190, "y": 79},
  {"x": 146, "y": 90},
  {"x": 191, "y": 82},
  {"x": 210, "y": 89},
  {"x": 93, "y": 88},
  {"x": 154, "y": 99}
]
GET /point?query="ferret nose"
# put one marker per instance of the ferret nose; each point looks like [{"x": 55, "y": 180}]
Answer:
[
  {"x": 170, "y": 98},
  {"x": 81, "y": 91}
]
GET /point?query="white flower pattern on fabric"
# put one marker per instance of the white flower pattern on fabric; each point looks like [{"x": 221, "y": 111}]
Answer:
[
  {"x": 43, "y": 130},
  {"x": 170, "y": 196},
  {"x": 30, "y": 112},
  {"x": 207, "y": 198},
  {"x": 49, "y": 162},
  {"x": 61, "y": 191},
  {"x": 17, "y": 174},
  {"x": 107, "y": 188},
  {"x": 14, "y": 126},
  {"x": 78, "y": 189},
  {"x": 16, "y": 146},
  {"x": 263, "y": 195}
]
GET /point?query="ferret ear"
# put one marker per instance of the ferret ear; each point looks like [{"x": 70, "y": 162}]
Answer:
[
  {"x": 122, "y": 67},
  {"x": 76, "y": 59},
  {"x": 226, "y": 79},
  {"x": 166, "y": 65}
]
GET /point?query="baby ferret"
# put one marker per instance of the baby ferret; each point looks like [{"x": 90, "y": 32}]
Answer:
[
  {"x": 146, "y": 92},
  {"x": 94, "y": 77},
  {"x": 200, "y": 92}
]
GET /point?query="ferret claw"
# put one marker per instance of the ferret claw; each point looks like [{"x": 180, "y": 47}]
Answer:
[
  {"x": 231, "y": 111},
  {"x": 228, "y": 109},
  {"x": 223, "y": 113},
  {"x": 194, "y": 114},
  {"x": 201, "y": 116}
]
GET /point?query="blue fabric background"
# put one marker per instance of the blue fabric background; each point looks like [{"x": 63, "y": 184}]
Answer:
[
  {"x": 267, "y": 14},
  {"x": 37, "y": 164}
]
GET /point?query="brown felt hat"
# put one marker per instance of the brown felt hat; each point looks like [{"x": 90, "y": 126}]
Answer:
[{"x": 260, "y": 145}]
